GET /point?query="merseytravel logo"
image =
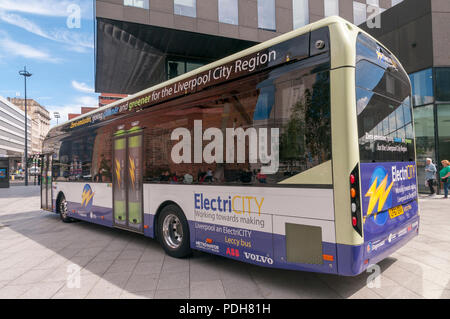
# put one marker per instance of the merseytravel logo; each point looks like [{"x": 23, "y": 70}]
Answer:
[
  {"x": 379, "y": 192},
  {"x": 87, "y": 197}
]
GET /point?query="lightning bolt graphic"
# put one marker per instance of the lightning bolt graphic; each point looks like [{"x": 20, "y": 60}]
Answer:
[
  {"x": 118, "y": 172},
  {"x": 86, "y": 197},
  {"x": 132, "y": 171},
  {"x": 378, "y": 194}
]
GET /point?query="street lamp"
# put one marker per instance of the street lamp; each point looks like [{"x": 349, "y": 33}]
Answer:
[
  {"x": 26, "y": 75},
  {"x": 56, "y": 116}
]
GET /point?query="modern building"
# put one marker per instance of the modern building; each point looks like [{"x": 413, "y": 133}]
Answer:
[
  {"x": 107, "y": 98},
  {"x": 40, "y": 124},
  {"x": 418, "y": 33},
  {"x": 143, "y": 42},
  {"x": 12, "y": 133}
]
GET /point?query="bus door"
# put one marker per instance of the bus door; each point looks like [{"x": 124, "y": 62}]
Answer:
[
  {"x": 46, "y": 182},
  {"x": 127, "y": 182}
]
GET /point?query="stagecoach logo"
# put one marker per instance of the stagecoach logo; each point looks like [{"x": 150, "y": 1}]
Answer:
[
  {"x": 87, "y": 197},
  {"x": 383, "y": 57},
  {"x": 379, "y": 192}
]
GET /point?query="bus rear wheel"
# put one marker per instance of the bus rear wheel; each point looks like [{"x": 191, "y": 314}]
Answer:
[
  {"x": 63, "y": 211},
  {"x": 173, "y": 232}
]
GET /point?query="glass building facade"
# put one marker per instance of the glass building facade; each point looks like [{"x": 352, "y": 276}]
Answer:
[{"x": 431, "y": 101}]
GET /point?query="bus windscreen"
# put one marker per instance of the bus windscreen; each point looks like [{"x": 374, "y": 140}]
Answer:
[{"x": 385, "y": 128}]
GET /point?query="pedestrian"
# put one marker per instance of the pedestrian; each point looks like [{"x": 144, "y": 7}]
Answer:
[
  {"x": 445, "y": 174},
  {"x": 430, "y": 176}
]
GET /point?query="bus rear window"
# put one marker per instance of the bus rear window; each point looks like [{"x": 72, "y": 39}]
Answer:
[{"x": 385, "y": 128}]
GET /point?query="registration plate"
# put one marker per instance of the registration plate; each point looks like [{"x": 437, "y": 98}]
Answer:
[{"x": 396, "y": 211}]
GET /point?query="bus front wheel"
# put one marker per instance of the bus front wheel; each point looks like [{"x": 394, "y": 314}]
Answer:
[{"x": 173, "y": 232}]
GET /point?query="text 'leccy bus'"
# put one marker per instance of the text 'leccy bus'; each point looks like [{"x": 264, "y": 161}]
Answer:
[{"x": 297, "y": 153}]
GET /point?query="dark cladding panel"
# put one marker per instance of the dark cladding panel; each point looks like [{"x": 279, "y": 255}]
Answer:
[
  {"x": 131, "y": 57},
  {"x": 125, "y": 64},
  {"x": 406, "y": 30}
]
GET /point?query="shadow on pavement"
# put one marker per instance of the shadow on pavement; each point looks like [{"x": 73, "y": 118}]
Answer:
[{"x": 113, "y": 255}]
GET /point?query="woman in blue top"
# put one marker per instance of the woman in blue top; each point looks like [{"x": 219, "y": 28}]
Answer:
[{"x": 445, "y": 174}]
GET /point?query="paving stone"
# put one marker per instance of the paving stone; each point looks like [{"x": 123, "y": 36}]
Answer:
[
  {"x": 207, "y": 290},
  {"x": 36, "y": 249}
]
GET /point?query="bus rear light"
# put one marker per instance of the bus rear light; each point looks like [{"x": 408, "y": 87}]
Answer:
[
  {"x": 352, "y": 179},
  {"x": 355, "y": 208},
  {"x": 366, "y": 261},
  {"x": 328, "y": 257},
  {"x": 145, "y": 226}
]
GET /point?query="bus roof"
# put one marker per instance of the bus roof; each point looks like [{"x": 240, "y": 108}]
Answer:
[{"x": 261, "y": 46}]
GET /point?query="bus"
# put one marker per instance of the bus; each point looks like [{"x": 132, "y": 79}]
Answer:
[{"x": 297, "y": 153}]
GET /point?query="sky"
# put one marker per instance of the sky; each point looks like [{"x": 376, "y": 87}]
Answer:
[{"x": 54, "y": 39}]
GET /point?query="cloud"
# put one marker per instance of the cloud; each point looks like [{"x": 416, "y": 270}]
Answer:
[
  {"x": 14, "y": 48},
  {"x": 82, "y": 87},
  {"x": 75, "y": 41},
  {"x": 23, "y": 23},
  {"x": 64, "y": 110},
  {"x": 88, "y": 101},
  {"x": 51, "y": 8}
]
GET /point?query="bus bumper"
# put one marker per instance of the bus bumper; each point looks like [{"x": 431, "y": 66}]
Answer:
[{"x": 353, "y": 260}]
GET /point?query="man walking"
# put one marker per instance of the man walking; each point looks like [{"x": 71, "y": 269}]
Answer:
[{"x": 430, "y": 176}]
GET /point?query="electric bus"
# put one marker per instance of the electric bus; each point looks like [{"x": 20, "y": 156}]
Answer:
[{"x": 297, "y": 153}]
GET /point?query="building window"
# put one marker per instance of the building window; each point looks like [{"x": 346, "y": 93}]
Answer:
[
  {"x": 266, "y": 15},
  {"x": 136, "y": 3},
  {"x": 300, "y": 10},
  {"x": 443, "y": 84},
  {"x": 359, "y": 13},
  {"x": 395, "y": 2},
  {"x": 331, "y": 8},
  {"x": 425, "y": 145},
  {"x": 443, "y": 116},
  {"x": 228, "y": 11},
  {"x": 186, "y": 8},
  {"x": 179, "y": 67},
  {"x": 422, "y": 87}
]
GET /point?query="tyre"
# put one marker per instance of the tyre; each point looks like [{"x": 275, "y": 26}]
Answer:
[
  {"x": 173, "y": 232},
  {"x": 63, "y": 211}
]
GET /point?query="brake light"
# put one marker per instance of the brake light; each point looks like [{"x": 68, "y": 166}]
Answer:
[{"x": 355, "y": 201}]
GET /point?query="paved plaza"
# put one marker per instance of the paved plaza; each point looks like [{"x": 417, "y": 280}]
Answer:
[{"x": 42, "y": 257}]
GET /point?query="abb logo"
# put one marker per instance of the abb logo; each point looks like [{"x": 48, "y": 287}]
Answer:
[{"x": 233, "y": 252}]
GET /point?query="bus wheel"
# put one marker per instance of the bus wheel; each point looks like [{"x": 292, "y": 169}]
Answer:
[
  {"x": 62, "y": 208},
  {"x": 173, "y": 232}
]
